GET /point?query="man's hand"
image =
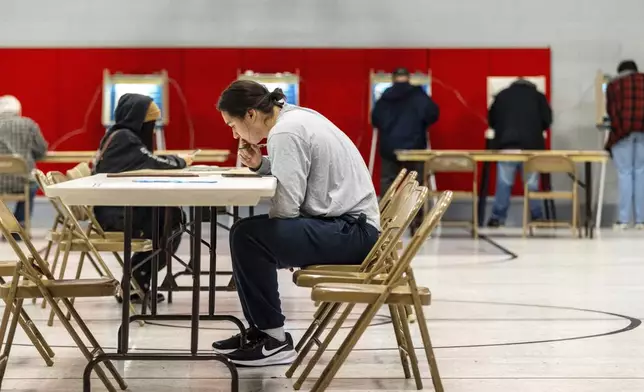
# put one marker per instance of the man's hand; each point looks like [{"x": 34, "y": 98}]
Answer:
[
  {"x": 251, "y": 156},
  {"x": 188, "y": 158}
]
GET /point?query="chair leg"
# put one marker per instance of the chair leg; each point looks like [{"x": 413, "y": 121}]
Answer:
[
  {"x": 53, "y": 268},
  {"x": 97, "y": 347},
  {"x": 320, "y": 315},
  {"x": 15, "y": 313},
  {"x": 325, "y": 344},
  {"x": 36, "y": 338},
  {"x": 79, "y": 270},
  {"x": 345, "y": 348},
  {"x": 409, "y": 348},
  {"x": 526, "y": 208},
  {"x": 61, "y": 275},
  {"x": 396, "y": 323},
  {"x": 74, "y": 335},
  {"x": 429, "y": 349},
  {"x": 318, "y": 327}
]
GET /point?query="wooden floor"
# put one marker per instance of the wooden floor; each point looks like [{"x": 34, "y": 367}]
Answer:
[{"x": 561, "y": 316}]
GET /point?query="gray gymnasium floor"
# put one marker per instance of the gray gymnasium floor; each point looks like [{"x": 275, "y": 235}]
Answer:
[{"x": 561, "y": 316}]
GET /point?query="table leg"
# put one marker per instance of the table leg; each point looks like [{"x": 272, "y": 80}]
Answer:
[
  {"x": 167, "y": 230},
  {"x": 155, "y": 262},
  {"x": 196, "y": 279},
  {"x": 483, "y": 190},
  {"x": 589, "y": 226},
  {"x": 235, "y": 214},
  {"x": 213, "y": 261},
  {"x": 125, "y": 283},
  {"x": 251, "y": 211}
]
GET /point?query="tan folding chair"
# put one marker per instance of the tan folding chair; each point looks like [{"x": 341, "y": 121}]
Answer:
[
  {"x": 76, "y": 239},
  {"x": 397, "y": 289},
  {"x": 550, "y": 164},
  {"x": 15, "y": 165},
  {"x": 458, "y": 163},
  {"x": 33, "y": 279},
  {"x": 389, "y": 194},
  {"x": 8, "y": 269},
  {"x": 385, "y": 250}
]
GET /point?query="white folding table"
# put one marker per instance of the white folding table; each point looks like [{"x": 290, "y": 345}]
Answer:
[{"x": 205, "y": 190}]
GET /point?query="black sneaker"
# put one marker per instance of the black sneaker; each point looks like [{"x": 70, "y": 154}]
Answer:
[
  {"x": 265, "y": 351},
  {"x": 234, "y": 343},
  {"x": 494, "y": 223}
]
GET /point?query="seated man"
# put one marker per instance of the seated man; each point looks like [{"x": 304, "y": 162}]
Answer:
[
  {"x": 20, "y": 136},
  {"x": 519, "y": 116},
  {"x": 128, "y": 145},
  {"x": 324, "y": 211}
]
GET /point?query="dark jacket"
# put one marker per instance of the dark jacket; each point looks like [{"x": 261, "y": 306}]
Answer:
[
  {"x": 519, "y": 115},
  {"x": 131, "y": 148},
  {"x": 625, "y": 106},
  {"x": 402, "y": 115}
]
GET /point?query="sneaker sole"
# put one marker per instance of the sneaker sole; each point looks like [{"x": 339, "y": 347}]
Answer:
[
  {"x": 281, "y": 358},
  {"x": 223, "y": 352}
]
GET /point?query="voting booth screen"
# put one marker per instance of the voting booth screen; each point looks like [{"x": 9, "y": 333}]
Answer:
[
  {"x": 152, "y": 90},
  {"x": 289, "y": 89}
]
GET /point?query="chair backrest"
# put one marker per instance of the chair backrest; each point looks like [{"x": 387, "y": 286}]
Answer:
[
  {"x": 451, "y": 163},
  {"x": 55, "y": 177},
  {"x": 13, "y": 164},
  {"x": 550, "y": 164},
  {"x": 386, "y": 211},
  {"x": 389, "y": 194},
  {"x": 406, "y": 207},
  {"x": 79, "y": 171},
  {"x": 429, "y": 224}
]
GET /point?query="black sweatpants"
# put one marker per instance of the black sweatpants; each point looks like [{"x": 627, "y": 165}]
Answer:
[
  {"x": 142, "y": 228},
  {"x": 390, "y": 168},
  {"x": 259, "y": 246}
]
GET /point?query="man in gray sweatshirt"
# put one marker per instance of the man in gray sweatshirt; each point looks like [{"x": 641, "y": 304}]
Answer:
[{"x": 324, "y": 211}]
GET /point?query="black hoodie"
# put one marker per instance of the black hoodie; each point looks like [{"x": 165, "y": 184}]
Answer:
[
  {"x": 131, "y": 148},
  {"x": 519, "y": 115},
  {"x": 402, "y": 115}
]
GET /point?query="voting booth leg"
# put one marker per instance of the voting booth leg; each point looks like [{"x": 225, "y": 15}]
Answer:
[
  {"x": 589, "y": 225},
  {"x": 483, "y": 190},
  {"x": 600, "y": 196}
]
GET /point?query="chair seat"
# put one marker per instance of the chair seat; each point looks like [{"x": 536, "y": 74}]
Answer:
[
  {"x": 58, "y": 236},
  {"x": 332, "y": 267},
  {"x": 13, "y": 197},
  {"x": 310, "y": 278},
  {"x": 108, "y": 245},
  {"x": 7, "y": 268},
  {"x": 66, "y": 288},
  {"x": 366, "y": 294},
  {"x": 551, "y": 195}
]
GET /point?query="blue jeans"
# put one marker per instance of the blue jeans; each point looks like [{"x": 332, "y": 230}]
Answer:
[
  {"x": 259, "y": 246},
  {"x": 628, "y": 155},
  {"x": 505, "y": 174},
  {"x": 19, "y": 212}
]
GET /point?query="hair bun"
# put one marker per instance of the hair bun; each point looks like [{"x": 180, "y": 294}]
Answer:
[{"x": 277, "y": 95}]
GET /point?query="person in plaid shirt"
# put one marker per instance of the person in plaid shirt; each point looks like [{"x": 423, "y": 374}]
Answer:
[
  {"x": 625, "y": 107},
  {"x": 19, "y": 136}
]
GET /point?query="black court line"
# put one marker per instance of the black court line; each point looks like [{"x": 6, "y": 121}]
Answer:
[{"x": 633, "y": 324}]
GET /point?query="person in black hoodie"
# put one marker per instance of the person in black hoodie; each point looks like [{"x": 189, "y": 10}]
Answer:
[
  {"x": 128, "y": 145},
  {"x": 519, "y": 116},
  {"x": 402, "y": 115}
]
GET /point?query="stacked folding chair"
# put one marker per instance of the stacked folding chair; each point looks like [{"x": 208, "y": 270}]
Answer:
[
  {"x": 382, "y": 279},
  {"x": 33, "y": 279}
]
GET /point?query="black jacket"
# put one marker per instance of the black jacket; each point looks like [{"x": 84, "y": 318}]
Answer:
[
  {"x": 402, "y": 116},
  {"x": 519, "y": 115},
  {"x": 131, "y": 148}
]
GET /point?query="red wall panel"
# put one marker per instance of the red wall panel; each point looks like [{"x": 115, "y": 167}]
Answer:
[{"x": 57, "y": 88}]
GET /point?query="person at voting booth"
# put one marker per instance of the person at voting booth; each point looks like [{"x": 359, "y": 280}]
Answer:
[
  {"x": 128, "y": 145},
  {"x": 402, "y": 115},
  {"x": 519, "y": 116},
  {"x": 20, "y": 136},
  {"x": 324, "y": 211},
  {"x": 625, "y": 107}
]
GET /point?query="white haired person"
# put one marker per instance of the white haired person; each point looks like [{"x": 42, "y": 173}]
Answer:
[{"x": 21, "y": 136}]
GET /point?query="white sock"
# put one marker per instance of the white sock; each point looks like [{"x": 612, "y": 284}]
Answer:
[{"x": 276, "y": 333}]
